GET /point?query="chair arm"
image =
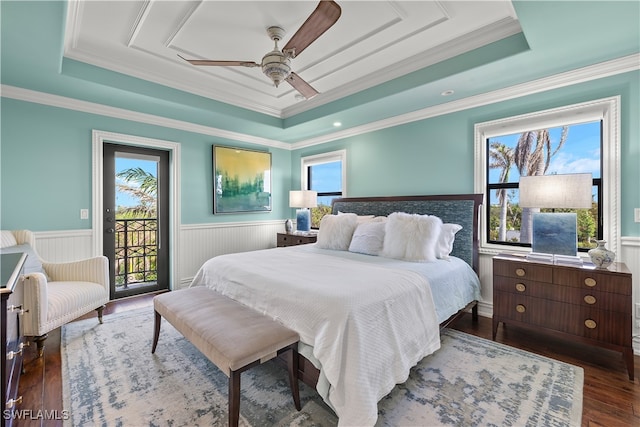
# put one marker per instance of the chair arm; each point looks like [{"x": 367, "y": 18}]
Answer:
[
  {"x": 94, "y": 270},
  {"x": 35, "y": 301}
]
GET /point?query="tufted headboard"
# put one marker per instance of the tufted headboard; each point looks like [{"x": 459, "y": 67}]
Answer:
[{"x": 451, "y": 208}]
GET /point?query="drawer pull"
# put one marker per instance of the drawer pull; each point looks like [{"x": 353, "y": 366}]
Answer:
[
  {"x": 520, "y": 308},
  {"x": 589, "y": 299},
  {"x": 520, "y": 287},
  {"x": 13, "y": 402},
  {"x": 589, "y": 281},
  {"x": 520, "y": 272},
  {"x": 18, "y": 308},
  {"x": 591, "y": 324},
  {"x": 12, "y": 354}
]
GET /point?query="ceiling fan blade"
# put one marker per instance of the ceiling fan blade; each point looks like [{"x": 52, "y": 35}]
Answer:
[
  {"x": 212, "y": 62},
  {"x": 301, "y": 86},
  {"x": 321, "y": 19}
]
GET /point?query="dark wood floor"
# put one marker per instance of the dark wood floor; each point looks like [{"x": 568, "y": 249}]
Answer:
[{"x": 610, "y": 398}]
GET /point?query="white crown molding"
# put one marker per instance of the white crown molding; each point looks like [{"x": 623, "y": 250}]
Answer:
[
  {"x": 121, "y": 113},
  {"x": 569, "y": 78},
  {"x": 581, "y": 75}
]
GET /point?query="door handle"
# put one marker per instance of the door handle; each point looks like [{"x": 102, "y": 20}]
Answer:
[{"x": 110, "y": 230}]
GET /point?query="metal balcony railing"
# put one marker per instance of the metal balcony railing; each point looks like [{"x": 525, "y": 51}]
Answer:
[{"x": 136, "y": 252}]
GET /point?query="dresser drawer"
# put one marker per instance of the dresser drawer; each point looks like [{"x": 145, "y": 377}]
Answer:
[
  {"x": 535, "y": 311},
  {"x": 600, "y": 325},
  {"x": 592, "y": 279},
  {"x": 523, "y": 270},
  {"x": 566, "y": 294},
  {"x": 294, "y": 240}
]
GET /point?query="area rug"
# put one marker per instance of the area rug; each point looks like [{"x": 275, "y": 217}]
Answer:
[{"x": 110, "y": 378}]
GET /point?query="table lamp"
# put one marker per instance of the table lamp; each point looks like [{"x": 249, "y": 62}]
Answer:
[
  {"x": 555, "y": 232},
  {"x": 303, "y": 200}
]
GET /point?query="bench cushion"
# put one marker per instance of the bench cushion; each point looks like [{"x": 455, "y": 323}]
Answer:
[{"x": 229, "y": 333}]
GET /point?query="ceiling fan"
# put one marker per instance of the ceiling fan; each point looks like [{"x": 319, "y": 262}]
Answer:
[{"x": 277, "y": 64}]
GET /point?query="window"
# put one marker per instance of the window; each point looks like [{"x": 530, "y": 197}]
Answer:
[
  {"x": 324, "y": 173},
  {"x": 574, "y": 139}
]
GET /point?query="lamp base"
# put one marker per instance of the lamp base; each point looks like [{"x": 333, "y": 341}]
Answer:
[{"x": 303, "y": 219}]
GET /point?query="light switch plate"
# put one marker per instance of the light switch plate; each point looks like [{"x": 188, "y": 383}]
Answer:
[
  {"x": 636, "y": 214},
  {"x": 84, "y": 213}
]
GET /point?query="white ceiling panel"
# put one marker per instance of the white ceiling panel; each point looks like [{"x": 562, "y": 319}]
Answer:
[{"x": 372, "y": 42}]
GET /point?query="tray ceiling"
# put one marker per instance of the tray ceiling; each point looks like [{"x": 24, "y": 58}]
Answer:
[{"x": 372, "y": 42}]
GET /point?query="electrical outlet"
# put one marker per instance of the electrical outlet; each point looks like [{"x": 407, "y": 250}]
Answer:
[
  {"x": 636, "y": 214},
  {"x": 84, "y": 213}
]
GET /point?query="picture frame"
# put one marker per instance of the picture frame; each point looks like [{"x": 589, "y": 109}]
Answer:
[{"x": 241, "y": 180}]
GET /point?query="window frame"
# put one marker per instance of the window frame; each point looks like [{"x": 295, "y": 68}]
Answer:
[
  {"x": 317, "y": 159},
  {"x": 605, "y": 110}
]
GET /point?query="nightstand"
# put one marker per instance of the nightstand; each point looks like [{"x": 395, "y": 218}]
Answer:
[
  {"x": 292, "y": 239},
  {"x": 579, "y": 303}
]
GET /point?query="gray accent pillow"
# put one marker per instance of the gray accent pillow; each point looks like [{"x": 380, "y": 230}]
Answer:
[{"x": 32, "y": 264}]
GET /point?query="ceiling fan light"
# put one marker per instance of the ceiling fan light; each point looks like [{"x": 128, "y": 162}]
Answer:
[{"x": 276, "y": 66}]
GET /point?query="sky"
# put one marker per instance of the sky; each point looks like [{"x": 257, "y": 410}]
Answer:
[
  {"x": 579, "y": 154},
  {"x": 122, "y": 163},
  {"x": 326, "y": 177}
]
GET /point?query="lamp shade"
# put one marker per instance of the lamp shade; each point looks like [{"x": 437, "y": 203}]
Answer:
[
  {"x": 571, "y": 191},
  {"x": 303, "y": 199}
]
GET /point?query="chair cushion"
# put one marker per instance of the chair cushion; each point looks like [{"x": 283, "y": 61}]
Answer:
[
  {"x": 69, "y": 300},
  {"x": 227, "y": 332}
]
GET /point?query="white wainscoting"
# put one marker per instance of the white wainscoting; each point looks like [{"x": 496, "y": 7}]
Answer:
[
  {"x": 64, "y": 246},
  {"x": 200, "y": 242}
]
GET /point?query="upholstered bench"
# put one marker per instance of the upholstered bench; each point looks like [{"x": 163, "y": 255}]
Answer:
[{"x": 231, "y": 335}]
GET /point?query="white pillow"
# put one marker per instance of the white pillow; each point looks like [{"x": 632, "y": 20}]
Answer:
[
  {"x": 368, "y": 238},
  {"x": 446, "y": 239},
  {"x": 336, "y": 231},
  {"x": 411, "y": 237},
  {"x": 361, "y": 218}
]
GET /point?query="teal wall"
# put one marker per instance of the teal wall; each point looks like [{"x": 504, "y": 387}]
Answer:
[
  {"x": 46, "y": 168},
  {"x": 436, "y": 155},
  {"x": 46, "y": 158}
]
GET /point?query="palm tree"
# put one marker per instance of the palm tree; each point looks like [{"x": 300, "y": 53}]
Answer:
[
  {"x": 142, "y": 186},
  {"x": 532, "y": 156},
  {"x": 501, "y": 156}
]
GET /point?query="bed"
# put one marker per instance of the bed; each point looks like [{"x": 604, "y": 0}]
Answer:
[{"x": 363, "y": 320}]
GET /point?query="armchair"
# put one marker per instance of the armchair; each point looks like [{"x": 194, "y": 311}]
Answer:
[{"x": 56, "y": 293}]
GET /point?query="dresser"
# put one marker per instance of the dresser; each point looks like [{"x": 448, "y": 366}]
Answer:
[
  {"x": 585, "y": 304},
  {"x": 292, "y": 239},
  {"x": 12, "y": 340}
]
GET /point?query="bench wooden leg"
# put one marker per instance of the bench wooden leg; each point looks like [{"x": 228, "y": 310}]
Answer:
[
  {"x": 156, "y": 331},
  {"x": 234, "y": 398},
  {"x": 292, "y": 364}
]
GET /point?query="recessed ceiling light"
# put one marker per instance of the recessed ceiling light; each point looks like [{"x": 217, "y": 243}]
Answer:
[
  {"x": 447, "y": 92},
  {"x": 337, "y": 124}
]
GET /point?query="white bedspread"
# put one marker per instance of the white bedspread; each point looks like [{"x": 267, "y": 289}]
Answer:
[{"x": 367, "y": 324}]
